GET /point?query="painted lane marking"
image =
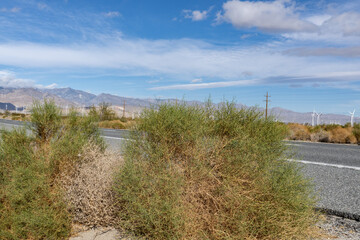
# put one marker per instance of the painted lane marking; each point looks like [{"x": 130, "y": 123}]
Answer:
[
  {"x": 324, "y": 164},
  {"x": 118, "y": 138}
]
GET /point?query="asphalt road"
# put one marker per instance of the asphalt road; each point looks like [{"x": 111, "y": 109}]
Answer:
[
  {"x": 335, "y": 171},
  {"x": 333, "y": 168}
]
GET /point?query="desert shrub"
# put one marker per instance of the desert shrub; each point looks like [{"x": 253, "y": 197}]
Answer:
[
  {"x": 45, "y": 119},
  {"x": 31, "y": 204},
  {"x": 342, "y": 135},
  {"x": 298, "y": 132},
  {"x": 203, "y": 173},
  {"x": 70, "y": 140},
  {"x": 356, "y": 132},
  {"x": 320, "y": 136},
  {"x": 114, "y": 124},
  {"x": 330, "y": 127},
  {"x": 105, "y": 112},
  {"x": 88, "y": 188},
  {"x": 29, "y": 209}
]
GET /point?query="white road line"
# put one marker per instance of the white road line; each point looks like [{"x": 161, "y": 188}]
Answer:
[
  {"x": 120, "y": 138},
  {"x": 325, "y": 164}
]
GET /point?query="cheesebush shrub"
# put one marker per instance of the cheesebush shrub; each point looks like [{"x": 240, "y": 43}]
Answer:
[
  {"x": 195, "y": 172},
  {"x": 31, "y": 203}
]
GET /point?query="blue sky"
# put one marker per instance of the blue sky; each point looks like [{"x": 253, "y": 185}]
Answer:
[{"x": 306, "y": 54}]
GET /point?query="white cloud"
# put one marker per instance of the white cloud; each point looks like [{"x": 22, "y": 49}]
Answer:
[
  {"x": 153, "y": 81},
  {"x": 341, "y": 29},
  {"x": 175, "y": 60},
  {"x": 9, "y": 79},
  {"x": 347, "y": 24},
  {"x": 196, "y": 80},
  {"x": 42, "y": 6},
  {"x": 196, "y": 15},
  {"x": 329, "y": 51},
  {"x": 318, "y": 19},
  {"x": 11, "y": 10},
  {"x": 276, "y": 16},
  {"x": 112, "y": 14},
  {"x": 330, "y": 79},
  {"x": 195, "y": 86}
]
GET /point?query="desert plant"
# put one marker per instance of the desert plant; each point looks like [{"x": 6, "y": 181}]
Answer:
[
  {"x": 105, "y": 112},
  {"x": 31, "y": 204},
  {"x": 356, "y": 132},
  {"x": 320, "y": 136},
  {"x": 45, "y": 119},
  {"x": 70, "y": 140},
  {"x": 211, "y": 173},
  {"x": 298, "y": 132},
  {"x": 342, "y": 135}
]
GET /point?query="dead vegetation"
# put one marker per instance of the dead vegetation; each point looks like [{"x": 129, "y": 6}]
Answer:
[
  {"x": 331, "y": 133},
  {"x": 88, "y": 188}
]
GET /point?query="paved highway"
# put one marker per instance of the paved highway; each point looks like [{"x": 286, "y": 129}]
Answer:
[
  {"x": 333, "y": 168},
  {"x": 335, "y": 172}
]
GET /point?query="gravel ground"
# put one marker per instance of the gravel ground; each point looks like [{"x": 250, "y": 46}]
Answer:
[
  {"x": 340, "y": 228},
  {"x": 336, "y": 228}
]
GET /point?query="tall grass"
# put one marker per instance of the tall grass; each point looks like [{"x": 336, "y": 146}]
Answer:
[
  {"x": 31, "y": 203},
  {"x": 204, "y": 173}
]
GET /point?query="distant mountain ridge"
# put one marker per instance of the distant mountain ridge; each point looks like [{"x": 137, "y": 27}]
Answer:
[{"x": 66, "y": 97}]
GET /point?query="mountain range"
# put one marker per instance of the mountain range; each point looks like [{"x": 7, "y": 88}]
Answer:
[{"x": 66, "y": 97}]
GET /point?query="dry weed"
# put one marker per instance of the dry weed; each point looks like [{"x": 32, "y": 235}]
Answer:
[
  {"x": 342, "y": 135},
  {"x": 298, "y": 132},
  {"x": 88, "y": 187},
  {"x": 321, "y": 136}
]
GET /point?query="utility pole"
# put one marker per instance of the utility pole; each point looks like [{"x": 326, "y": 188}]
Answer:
[
  {"x": 267, "y": 103},
  {"x": 124, "y": 110}
]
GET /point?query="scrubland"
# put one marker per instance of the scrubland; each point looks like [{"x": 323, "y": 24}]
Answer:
[
  {"x": 331, "y": 133},
  {"x": 211, "y": 173},
  {"x": 190, "y": 172}
]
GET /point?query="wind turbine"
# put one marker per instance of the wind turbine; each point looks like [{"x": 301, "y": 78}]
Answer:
[
  {"x": 318, "y": 118},
  {"x": 313, "y": 118},
  {"x": 352, "y": 118}
]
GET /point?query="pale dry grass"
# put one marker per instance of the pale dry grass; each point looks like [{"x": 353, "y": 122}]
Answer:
[
  {"x": 298, "y": 132},
  {"x": 88, "y": 187},
  {"x": 321, "y": 136},
  {"x": 342, "y": 135}
]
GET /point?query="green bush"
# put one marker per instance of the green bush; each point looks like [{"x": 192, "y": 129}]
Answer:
[
  {"x": 75, "y": 133},
  {"x": 45, "y": 119},
  {"x": 203, "y": 173},
  {"x": 31, "y": 204}
]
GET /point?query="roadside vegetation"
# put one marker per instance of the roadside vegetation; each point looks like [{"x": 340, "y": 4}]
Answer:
[
  {"x": 211, "y": 173},
  {"x": 32, "y": 204},
  {"x": 330, "y": 133}
]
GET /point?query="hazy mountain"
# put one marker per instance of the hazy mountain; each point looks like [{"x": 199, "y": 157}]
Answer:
[
  {"x": 21, "y": 97},
  {"x": 71, "y": 97},
  {"x": 119, "y": 101},
  {"x": 76, "y": 96}
]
